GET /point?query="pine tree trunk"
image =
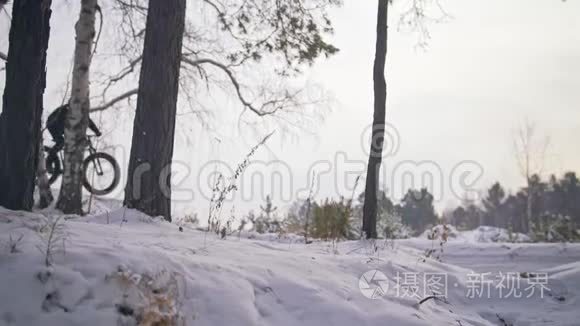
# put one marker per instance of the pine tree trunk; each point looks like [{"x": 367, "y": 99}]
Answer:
[
  {"x": 148, "y": 182},
  {"x": 20, "y": 121},
  {"x": 378, "y": 132},
  {"x": 70, "y": 198}
]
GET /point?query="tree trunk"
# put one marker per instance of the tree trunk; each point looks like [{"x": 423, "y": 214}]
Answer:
[
  {"x": 77, "y": 120},
  {"x": 378, "y": 133},
  {"x": 529, "y": 203},
  {"x": 148, "y": 182},
  {"x": 20, "y": 121},
  {"x": 44, "y": 192}
]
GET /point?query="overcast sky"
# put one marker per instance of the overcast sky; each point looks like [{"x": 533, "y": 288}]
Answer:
[{"x": 492, "y": 65}]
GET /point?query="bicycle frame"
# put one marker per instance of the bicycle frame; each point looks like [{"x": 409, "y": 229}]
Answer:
[{"x": 93, "y": 151}]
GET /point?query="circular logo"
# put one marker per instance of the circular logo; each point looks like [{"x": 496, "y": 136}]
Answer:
[
  {"x": 385, "y": 140},
  {"x": 373, "y": 284}
]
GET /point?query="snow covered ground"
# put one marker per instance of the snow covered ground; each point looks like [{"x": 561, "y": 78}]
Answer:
[
  {"x": 124, "y": 268},
  {"x": 480, "y": 234}
]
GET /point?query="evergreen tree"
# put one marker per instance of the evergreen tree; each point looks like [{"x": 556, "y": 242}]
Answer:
[
  {"x": 459, "y": 218},
  {"x": 494, "y": 213},
  {"x": 269, "y": 209},
  {"x": 571, "y": 193},
  {"x": 515, "y": 210},
  {"x": 554, "y": 205},
  {"x": 417, "y": 210},
  {"x": 266, "y": 222}
]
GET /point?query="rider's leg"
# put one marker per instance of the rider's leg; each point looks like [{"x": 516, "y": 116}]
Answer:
[
  {"x": 58, "y": 145},
  {"x": 57, "y": 137}
]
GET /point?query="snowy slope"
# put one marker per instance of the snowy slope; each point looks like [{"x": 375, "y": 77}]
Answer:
[
  {"x": 122, "y": 267},
  {"x": 483, "y": 234}
]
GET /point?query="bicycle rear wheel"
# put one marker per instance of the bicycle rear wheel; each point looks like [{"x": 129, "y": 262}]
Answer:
[
  {"x": 53, "y": 168},
  {"x": 101, "y": 174}
]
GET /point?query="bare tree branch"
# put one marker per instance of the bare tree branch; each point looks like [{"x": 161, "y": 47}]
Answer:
[
  {"x": 3, "y": 56},
  {"x": 123, "y": 73},
  {"x": 418, "y": 15},
  {"x": 259, "y": 111},
  {"x": 133, "y": 5},
  {"x": 116, "y": 100},
  {"x": 237, "y": 36},
  {"x": 530, "y": 149}
]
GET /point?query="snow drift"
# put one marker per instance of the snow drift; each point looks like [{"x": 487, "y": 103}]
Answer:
[{"x": 125, "y": 268}]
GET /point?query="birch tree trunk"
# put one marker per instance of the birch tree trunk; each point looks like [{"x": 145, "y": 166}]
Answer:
[
  {"x": 530, "y": 153},
  {"x": 529, "y": 204},
  {"x": 20, "y": 121},
  {"x": 148, "y": 182},
  {"x": 42, "y": 183},
  {"x": 70, "y": 198}
]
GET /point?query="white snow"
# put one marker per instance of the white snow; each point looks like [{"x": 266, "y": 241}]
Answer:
[
  {"x": 113, "y": 267},
  {"x": 480, "y": 234}
]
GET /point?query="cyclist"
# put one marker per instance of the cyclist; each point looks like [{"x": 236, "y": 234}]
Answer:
[{"x": 55, "y": 125}]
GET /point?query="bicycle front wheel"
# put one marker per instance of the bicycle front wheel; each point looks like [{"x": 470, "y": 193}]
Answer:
[{"x": 101, "y": 174}]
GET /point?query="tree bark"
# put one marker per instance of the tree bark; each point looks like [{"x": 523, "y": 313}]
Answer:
[
  {"x": 378, "y": 130},
  {"x": 44, "y": 192},
  {"x": 148, "y": 182},
  {"x": 20, "y": 121},
  {"x": 529, "y": 204},
  {"x": 77, "y": 120}
]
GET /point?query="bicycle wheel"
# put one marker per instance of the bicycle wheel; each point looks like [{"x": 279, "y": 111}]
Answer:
[
  {"x": 101, "y": 174},
  {"x": 53, "y": 168}
]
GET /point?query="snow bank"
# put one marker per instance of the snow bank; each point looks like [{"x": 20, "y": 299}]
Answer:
[
  {"x": 493, "y": 234},
  {"x": 482, "y": 234},
  {"x": 127, "y": 268}
]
